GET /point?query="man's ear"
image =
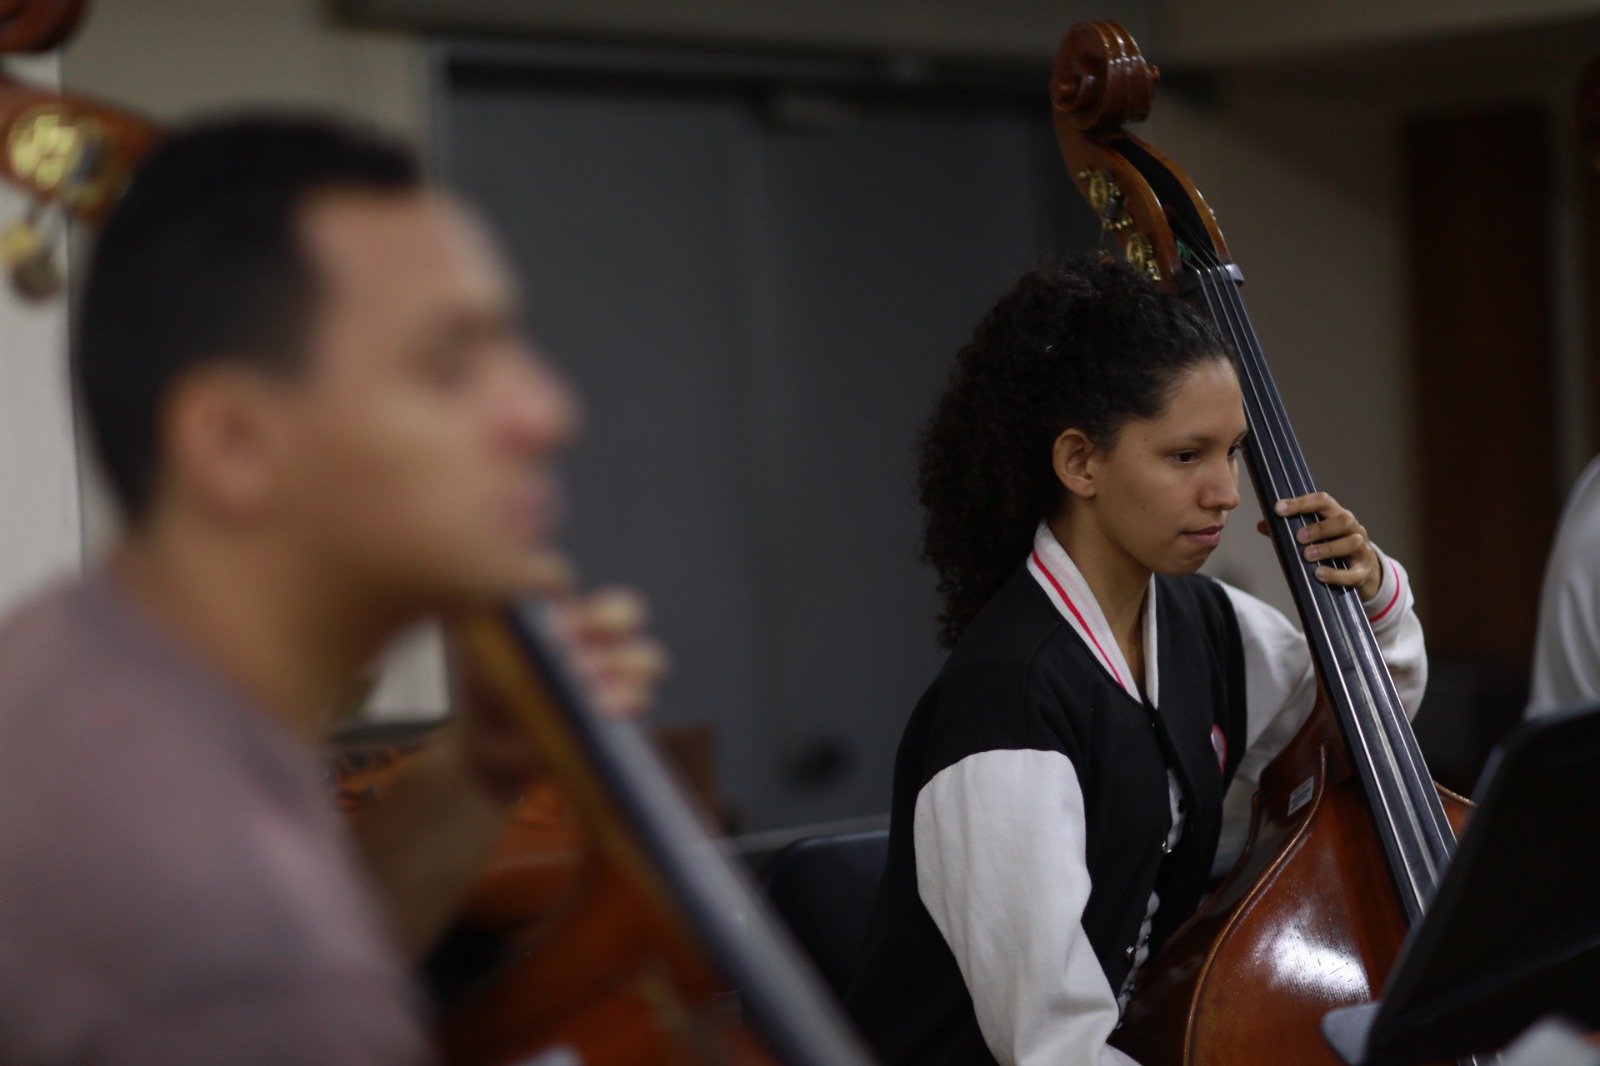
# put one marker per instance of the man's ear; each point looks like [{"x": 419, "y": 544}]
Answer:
[
  {"x": 1072, "y": 457},
  {"x": 223, "y": 439}
]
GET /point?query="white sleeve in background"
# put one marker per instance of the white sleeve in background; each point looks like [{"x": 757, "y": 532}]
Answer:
[
  {"x": 1566, "y": 652},
  {"x": 1280, "y": 682},
  {"x": 1001, "y": 868}
]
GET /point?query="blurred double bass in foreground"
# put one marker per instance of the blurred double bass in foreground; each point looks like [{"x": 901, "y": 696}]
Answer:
[
  {"x": 618, "y": 933},
  {"x": 608, "y": 925},
  {"x": 658, "y": 952},
  {"x": 1349, "y": 835}
]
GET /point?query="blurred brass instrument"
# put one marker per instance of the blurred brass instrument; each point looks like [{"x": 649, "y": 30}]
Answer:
[{"x": 71, "y": 155}]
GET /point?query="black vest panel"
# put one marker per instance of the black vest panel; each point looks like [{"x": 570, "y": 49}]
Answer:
[{"x": 1021, "y": 678}]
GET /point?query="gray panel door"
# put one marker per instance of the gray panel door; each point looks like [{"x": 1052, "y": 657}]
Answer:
[{"x": 758, "y": 293}]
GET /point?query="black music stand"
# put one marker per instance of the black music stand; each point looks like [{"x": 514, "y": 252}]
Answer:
[{"x": 1513, "y": 933}]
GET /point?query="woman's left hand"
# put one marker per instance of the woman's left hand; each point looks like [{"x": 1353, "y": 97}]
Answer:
[{"x": 1337, "y": 535}]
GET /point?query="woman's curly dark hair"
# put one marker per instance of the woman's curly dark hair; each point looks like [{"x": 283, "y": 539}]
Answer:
[{"x": 1081, "y": 343}]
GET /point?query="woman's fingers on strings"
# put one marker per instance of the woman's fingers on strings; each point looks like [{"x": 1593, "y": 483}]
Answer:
[
  {"x": 1340, "y": 548},
  {"x": 1352, "y": 577},
  {"x": 1311, "y": 503},
  {"x": 1332, "y": 520},
  {"x": 1357, "y": 574},
  {"x": 1335, "y": 535}
]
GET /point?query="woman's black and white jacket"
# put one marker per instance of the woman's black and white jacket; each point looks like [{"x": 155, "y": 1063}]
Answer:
[{"x": 1050, "y": 826}]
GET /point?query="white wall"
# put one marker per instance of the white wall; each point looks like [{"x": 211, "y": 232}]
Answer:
[
  {"x": 40, "y": 528},
  {"x": 172, "y": 59}
]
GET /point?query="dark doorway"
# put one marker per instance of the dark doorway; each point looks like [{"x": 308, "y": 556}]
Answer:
[{"x": 757, "y": 272}]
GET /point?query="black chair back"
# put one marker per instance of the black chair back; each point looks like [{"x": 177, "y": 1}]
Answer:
[{"x": 823, "y": 888}]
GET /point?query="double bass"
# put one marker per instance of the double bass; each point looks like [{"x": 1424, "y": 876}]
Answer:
[
  {"x": 649, "y": 947},
  {"x": 1349, "y": 835}
]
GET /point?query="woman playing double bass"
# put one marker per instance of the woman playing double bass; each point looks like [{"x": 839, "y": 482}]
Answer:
[{"x": 1058, "y": 790}]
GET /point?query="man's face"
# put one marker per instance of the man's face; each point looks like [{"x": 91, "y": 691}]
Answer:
[{"x": 423, "y": 429}]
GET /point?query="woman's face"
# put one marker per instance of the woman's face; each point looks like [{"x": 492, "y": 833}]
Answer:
[{"x": 1165, "y": 488}]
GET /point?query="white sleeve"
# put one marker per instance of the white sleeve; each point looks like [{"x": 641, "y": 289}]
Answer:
[
  {"x": 1566, "y": 654},
  {"x": 1566, "y": 651},
  {"x": 1001, "y": 867},
  {"x": 1281, "y": 683}
]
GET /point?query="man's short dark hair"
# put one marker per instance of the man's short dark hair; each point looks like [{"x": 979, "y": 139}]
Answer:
[{"x": 200, "y": 262}]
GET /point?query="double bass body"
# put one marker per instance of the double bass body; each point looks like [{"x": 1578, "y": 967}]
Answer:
[{"x": 1305, "y": 922}]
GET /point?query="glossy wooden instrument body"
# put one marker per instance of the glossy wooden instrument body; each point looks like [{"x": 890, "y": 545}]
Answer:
[
  {"x": 1349, "y": 834},
  {"x": 1306, "y": 921},
  {"x": 616, "y": 930},
  {"x": 564, "y": 958},
  {"x": 633, "y": 940}
]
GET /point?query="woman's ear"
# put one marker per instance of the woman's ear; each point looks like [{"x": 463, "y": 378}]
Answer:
[{"x": 1072, "y": 459}]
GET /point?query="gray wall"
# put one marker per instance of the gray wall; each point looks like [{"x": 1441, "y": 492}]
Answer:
[{"x": 758, "y": 289}]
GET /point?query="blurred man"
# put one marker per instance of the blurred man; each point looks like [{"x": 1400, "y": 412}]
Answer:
[{"x": 304, "y": 377}]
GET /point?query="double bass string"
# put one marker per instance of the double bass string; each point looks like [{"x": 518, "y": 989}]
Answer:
[
  {"x": 1284, "y": 482},
  {"x": 1410, "y": 850},
  {"x": 1244, "y": 344},
  {"x": 1272, "y": 445},
  {"x": 1281, "y": 462},
  {"x": 1275, "y": 448},
  {"x": 1336, "y": 626},
  {"x": 1226, "y": 308},
  {"x": 1421, "y": 802},
  {"x": 1431, "y": 840},
  {"x": 1393, "y": 802}
]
